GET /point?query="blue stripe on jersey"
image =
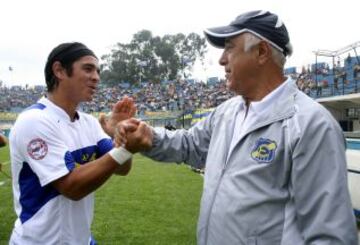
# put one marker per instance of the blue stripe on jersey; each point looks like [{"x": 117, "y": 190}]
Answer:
[
  {"x": 69, "y": 161},
  {"x": 36, "y": 106},
  {"x": 90, "y": 153},
  {"x": 86, "y": 154},
  {"x": 105, "y": 145},
  {"x": 32, "y": 195}
]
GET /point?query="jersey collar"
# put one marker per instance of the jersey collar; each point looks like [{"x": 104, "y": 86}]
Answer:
[{"x": 58, "y": 110}]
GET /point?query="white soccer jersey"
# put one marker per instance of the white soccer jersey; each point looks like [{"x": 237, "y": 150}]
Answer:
[{"x": 44, "y": 146}]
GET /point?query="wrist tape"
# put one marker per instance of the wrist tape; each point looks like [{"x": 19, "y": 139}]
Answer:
[{"x": 120, "y": 155}]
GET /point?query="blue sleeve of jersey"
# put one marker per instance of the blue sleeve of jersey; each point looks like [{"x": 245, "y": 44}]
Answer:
[{"x": 104, "y": 146}]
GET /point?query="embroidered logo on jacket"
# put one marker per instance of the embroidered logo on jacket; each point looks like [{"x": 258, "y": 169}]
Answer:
[{"x": 264, "y": 150}]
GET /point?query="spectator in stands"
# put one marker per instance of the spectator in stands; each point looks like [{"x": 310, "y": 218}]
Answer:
[
  {"x": 60, "y": 156},
  {"x": 348, "y": 58},
  {"x": 336, "y": 83},
  {"x": 275, "y": 158},
  {"x": 3, "y": 140}
]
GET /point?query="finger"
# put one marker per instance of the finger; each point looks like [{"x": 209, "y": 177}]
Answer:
[
  {"x": 143, "y": 136},
  {"x": 118, "y": 105},
  {"x": 133, "y": 110},
  {"x": 120, "y": 136},
  {"x": 130, "y": 127},
  {"x": 129, "y": 106},
  {"x": 118, "y": 141},
  {"x": 143, "y": 128},
  {"x": 134, "y": 121},
  {"x": 126, "y": 106}
]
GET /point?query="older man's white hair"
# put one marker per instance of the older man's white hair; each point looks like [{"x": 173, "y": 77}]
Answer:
[{"x": 250, "y": 40}]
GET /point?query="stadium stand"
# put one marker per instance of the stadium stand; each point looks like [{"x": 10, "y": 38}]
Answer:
[
  {"x": 182, "y": 103},
  {"x": 159, "y": 103}
]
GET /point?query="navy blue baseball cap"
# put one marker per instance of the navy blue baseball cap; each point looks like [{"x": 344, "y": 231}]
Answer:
[{"x": 263, "y": 24}]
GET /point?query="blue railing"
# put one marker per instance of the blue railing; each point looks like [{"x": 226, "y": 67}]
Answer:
[{"x": 341, "y": 88}]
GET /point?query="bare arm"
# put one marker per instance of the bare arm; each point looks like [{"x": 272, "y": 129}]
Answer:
[
  {"x": 124, "y": 169},
  {"x": 122, "y": 110},
  {"x": 87, "y": 178}
]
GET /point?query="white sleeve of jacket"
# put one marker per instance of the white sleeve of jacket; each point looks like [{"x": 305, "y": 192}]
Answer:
[
  {"x": 189, "y": 146},
  {"x": 323, "y": 207}
]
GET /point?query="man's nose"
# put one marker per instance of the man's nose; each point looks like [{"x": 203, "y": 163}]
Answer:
[{"x": 223, "y": 59}]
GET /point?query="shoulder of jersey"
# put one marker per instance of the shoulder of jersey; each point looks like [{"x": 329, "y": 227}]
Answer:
[{"x": 32, "y": 115}]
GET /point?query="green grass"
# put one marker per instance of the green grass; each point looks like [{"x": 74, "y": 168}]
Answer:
[
  {"x": 7, "y": 213},
  {"x": 155, "y": 204}
]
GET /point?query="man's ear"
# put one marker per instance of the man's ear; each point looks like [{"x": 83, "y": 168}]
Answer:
[
  {"x": 264, "y": 52},
  {"x": 58, "y": 70}
]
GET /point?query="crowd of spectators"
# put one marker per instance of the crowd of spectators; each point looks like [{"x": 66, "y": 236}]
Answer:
[
  {"x": 304, "y": 81},
  {"x": 16, "y": 98},
  {"x": 180, "y": 95},
  {"x": 341, "y": 78}
]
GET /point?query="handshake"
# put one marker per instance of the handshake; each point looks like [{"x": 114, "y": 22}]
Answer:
[
  {"x": 134, "y": 135},
  {"x": 128, "y": 132}
]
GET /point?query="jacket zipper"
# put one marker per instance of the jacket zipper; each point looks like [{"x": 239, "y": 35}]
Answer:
[{"x": 226, "y": 163}]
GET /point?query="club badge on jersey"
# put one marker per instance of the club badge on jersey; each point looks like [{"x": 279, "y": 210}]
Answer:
[{"x": 37, "y": 149}]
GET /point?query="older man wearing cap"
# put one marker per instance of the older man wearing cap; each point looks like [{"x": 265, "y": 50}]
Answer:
[
  {"x": 275, "y": 159},
  {"x": 59, "y": 155}
]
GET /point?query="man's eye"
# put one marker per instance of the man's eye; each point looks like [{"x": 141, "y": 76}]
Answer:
[{"x": 228, "y": 46}]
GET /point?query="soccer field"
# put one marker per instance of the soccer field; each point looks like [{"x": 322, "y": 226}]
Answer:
[{"x": 156, "y": 203}]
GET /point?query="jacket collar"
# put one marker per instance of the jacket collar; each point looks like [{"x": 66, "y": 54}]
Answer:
[{"x": 281, "y": 107}]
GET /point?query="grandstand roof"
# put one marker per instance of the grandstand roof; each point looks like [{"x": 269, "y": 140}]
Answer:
[
  {"x": 341, "y": 101},
  {"x": 338, "y": 52}
]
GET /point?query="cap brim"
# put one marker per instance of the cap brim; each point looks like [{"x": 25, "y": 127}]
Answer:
[{"x": 217, "y": 35}]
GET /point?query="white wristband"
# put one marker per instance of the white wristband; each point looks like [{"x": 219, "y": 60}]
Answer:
[{"x": 120, "y": 155}]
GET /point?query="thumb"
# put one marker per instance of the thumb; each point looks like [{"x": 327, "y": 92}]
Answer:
[
  {"x": 102, "y": 121},
  {"x": 134, "y": 121},
  {"x": 130, "y": 125}
]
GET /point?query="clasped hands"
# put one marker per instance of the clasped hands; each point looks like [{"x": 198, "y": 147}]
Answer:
[
  {"x": 127, "y": 131},
  {"x": 134, "y": 135}
]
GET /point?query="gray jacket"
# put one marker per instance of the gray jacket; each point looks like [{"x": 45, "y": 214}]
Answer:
[{"x": 285, "y": 181}]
